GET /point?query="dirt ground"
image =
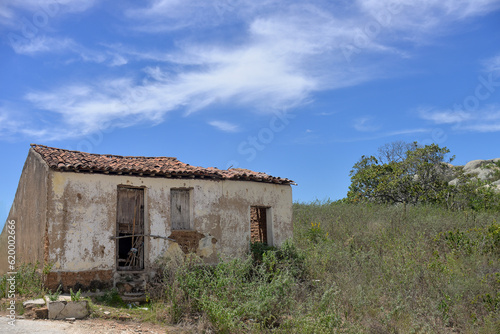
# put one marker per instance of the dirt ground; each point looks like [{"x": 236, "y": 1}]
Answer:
[{"x": 94, "y": 326}]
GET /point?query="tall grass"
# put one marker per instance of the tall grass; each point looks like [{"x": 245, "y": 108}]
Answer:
[
  {"x": 29, "y": 279},
  {"x": 354, "y": 269},
  {"x": 403, "y": 269}
]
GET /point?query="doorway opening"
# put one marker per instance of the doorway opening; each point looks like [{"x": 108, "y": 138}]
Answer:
[
  {"x": 260, "y": 225},
  {"x": 130, "y": 229}
]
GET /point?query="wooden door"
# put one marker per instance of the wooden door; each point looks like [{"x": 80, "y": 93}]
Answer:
[{"x": 130, "y": 229}]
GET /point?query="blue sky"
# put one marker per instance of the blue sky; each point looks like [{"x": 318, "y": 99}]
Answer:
[{"x": 293, "y": 89}]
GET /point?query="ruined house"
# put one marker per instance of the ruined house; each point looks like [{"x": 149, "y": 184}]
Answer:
[{"x": 101, "y": 220}]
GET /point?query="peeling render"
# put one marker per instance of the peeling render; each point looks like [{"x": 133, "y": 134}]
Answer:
[{"x": 220, "y": 209}]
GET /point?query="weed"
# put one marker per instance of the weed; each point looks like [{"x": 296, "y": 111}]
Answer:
[
  {"x": 111, "y": 298},
  {"x": 54, "y": 296},
  {"x": 75, "y": 297}
]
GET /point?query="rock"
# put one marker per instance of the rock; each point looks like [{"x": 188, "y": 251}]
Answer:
[
  {"x": 34, "y": 303},
  {"x": 475, "y": 164},
  {"x": 42, "y": 313},
  {"x": 483, "y": 170},
  {"x": 107, "y": 312},
  {"x": 481, "y": 173},
  {"x": 61, "y": 310}
]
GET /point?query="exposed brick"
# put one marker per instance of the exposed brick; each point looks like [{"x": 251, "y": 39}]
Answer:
[
  {"x": 258, "y": 224},
  {"x": 189, "y": 241},
  {"x": 85, "y": 280}
]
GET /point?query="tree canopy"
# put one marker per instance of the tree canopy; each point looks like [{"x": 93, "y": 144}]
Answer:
[
  {"x": 411, "y": 176},
  {"x": 409, "y": 173}
]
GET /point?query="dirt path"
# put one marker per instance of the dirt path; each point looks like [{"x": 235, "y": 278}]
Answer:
[{"x": 93, "y": 326}]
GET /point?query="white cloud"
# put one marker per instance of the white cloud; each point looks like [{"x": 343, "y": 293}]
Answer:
[
  {"x": 486, "y": 119},
  {"x": 170, "y": 15},
  {"x": 424, "y": 15},
  {"x": 13, "y": 13},
  {"x": 250, "y": 76},
  {"x": 365, "y": 124},
  {"x": 492, "y": 64},
  {"x": 282, "y": 54},
  {"x": 444, "y": 116},
  {"x": 384, "y": 135},
  {"x": 44, "y": 44},
  {"x": 225, "y": 126}
]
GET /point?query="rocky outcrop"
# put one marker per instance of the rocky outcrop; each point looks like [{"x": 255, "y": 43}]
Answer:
[{"x": 483, "y": 170}]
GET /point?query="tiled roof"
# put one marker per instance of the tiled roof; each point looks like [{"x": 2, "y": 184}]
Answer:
[{"x": 75, "y": 161}]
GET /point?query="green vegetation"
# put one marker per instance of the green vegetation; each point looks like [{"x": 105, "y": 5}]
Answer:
[
  {"x": 353, "y": 268},
  {"x": 411, "y": 174},
  {"x": 111, "y": 298},
  {"x": 75, "y": 297},
  {"x": 29, "y": 281},
  {"x": 54, "y": 296}
]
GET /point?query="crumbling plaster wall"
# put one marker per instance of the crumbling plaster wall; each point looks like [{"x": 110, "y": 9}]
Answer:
[
  {"x": 82, "y": 216},
  {"x": 29, "y": 213}
]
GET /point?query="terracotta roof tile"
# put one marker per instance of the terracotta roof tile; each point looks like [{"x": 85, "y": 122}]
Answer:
[{"x": 75, "y": 161}]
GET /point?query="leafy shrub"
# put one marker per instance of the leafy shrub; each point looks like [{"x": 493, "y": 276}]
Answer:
[
  {"x": 315, "y": 233},
  {"x": 29, "y": 280},
  {"x": 257, "y": 249},
  {"x": 111, "y": 298},
  {"x": 254, "y": 293}
]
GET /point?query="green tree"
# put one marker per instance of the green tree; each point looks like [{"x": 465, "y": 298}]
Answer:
[{"x": 421, "y": 174}]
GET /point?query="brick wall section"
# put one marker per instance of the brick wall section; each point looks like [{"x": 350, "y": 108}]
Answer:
[
  {"x": 85, "y": 280},
  {"x": 188, "y": 241},
  {"x": 258, "y": 227}
]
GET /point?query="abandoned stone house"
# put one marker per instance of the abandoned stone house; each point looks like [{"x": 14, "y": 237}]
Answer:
[{"x": 104, "y": 219}]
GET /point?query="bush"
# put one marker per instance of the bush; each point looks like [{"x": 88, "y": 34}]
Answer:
[
  {"x": 111, "y": 298},
  {"x": 29, "y": 280}
]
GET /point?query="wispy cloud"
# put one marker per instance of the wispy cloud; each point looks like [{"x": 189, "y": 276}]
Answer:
[
  {"x": 492, "y": 64},
  {"x": 325, "y": 113},
  {"x": 225, "y": 126},
  {"x": 365, "y": 124},
  {"x": 484, "y": 120},
  {"x": 12, "y": 11},
  {"x": 444, "y": 116},
  {"x": 384, "y": 135},
  {"x": 67, "y": 46},
  {"x": 43, "y": 44},
  {"x": 284, "y": 52},
  {"x": 423, "y": 16}
]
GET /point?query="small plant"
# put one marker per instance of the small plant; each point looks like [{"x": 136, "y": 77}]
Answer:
[
  {"x": 257, "y": 249},
  {"x": 75, "y": 297},
  {"x": 111, "y": 298},
  {"x": 315, "y": 233},
  {"x": 54, "y": 296}
]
